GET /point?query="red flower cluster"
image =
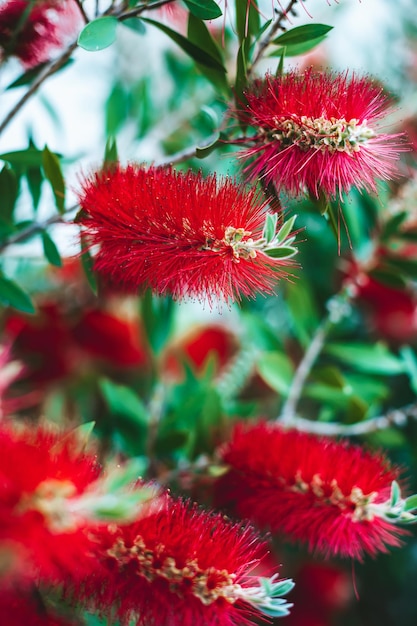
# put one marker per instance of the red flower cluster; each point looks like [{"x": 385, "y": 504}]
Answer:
[
  {"x": 197, "y": 346},
  {"x": 313, "y": 489},
  {"x": 33, "y": 31},
  {"x": 55, "y": 344},
  {"x": 39, "y": 539},
  {"x": 179, "y": 567},
  {"x": 317, "y": 132},
  {"x": 179, "y": 234}
]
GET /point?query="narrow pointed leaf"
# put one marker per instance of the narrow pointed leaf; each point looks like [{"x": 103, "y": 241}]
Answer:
[
  {"x": 52, "y": 169},
  {"x": 50, "y": 250},
  {"x": 12, "y": 295},
  {"x": 203, "y": 9},
  {"x": 194, "y": 51}
]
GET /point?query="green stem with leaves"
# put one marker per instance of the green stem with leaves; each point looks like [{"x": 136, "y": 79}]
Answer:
[{"x": 337, "y": 307}]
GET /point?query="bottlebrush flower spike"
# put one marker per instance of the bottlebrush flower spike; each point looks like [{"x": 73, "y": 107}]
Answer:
[
  {"x": 329, "y": 494},
  {"x": 317, "y": 132},
  {"x": 184, "y": 566},
  {"x": 33, "y": 31},
  {"x": 181, "y": 234},
  {"x": 52, "y": 495}
]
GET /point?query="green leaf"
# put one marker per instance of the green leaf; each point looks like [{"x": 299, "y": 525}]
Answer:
[
  {"x": 411, "y": 503},
  {"x": 30, "y": 75},
  {"x": 157, "y": 317},
  {"x": 395, "y": 493},
  {"x": 110, "y": 153},
  {"x": 371, "y": 358},
  {"x": 247, "y": 22},
  {"x": 285, "y": 229},
  {"x": 31, "y": 157},
  {"x": 194, "y": 51},
  {"x": 87, "y": 263},
  {"x": 135, "y": 24},
  {"x": 203, "y": 9},
  {"x": 98, "y": 34},
  {"x": 52, "y": 168},
  {"x": 393, "y": 224},
  {"x": 34, "y": 179},
  {"x": 12, "y": 295},
  {"x": 297, "y": 49},
  {"x": 204, "y": 151},
  {"x": 410, "y": 363},
  {"x": 199, "y": 34},
  {"x": 121, "y": 400},
  {"x": 9, "y": 190},
  {"x": 50, "y": 250},
  {"x": 283, "y": 252},
  {"x": 301, "y": 34},
  {"x": 241, "y": 82},
  {"x": 303, "y": 310},
  {"x": 270, "y": 226},
  {"x": 276, "y": 370}
]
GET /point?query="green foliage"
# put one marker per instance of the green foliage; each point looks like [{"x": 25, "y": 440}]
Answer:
[
  {"x": 203, "y": 9},
  {"x": 202, "y": 56},
  {"x": 98, "y": 34},
  {"x": 12, "y": 295}
]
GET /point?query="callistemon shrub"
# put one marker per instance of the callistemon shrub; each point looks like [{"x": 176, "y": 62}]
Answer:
[
  {"x": 328, "y": 494},
  {"x": 183, "y": 566},
  {"x": 34, "y": 31},
  {"x": 317, "y": 132},
  {"x": 181, "y": 234}
]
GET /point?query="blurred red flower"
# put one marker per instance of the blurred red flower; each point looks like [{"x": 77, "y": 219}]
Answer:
[
  {"x": 317, "y": 132},
  {"x": 40, "y": 539},
  {"x": 179, "y": 234},
  {"x": 33, "y": 31},
  {"x": 55, "y": 344},
  {"x": 196, "y": 346},
  {"x": 180, "y": 567},
  {"x": 312, "y": 488}
]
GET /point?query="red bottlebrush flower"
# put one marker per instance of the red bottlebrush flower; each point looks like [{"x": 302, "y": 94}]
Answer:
[
  {"x": 33, "y": 31},
  {"x": 317, "y": 132},
  {"x": 55, "y": 344},
  {"x": 197, "y": 346},
  {"x": 180, "y": 567},
  {"x": 40, "y": 472},
  {"x": 392, "y": 312},
  {"x": 104, "y": 336},
  {"x": 180, "y": 234},
  {"x": 312, "y": 488}
]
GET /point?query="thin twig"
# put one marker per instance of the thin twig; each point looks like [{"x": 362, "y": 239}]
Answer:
[
  {"x": 34, "y": 228},
  {"x": 338, "y": 308},
  {"x": 264, "y": 43},
  {"x": 47, "y": 71},
  {"x": 396, "y": 417},
  {"x": 56, "y": 64},
  {"x": 302, "y": 372}
]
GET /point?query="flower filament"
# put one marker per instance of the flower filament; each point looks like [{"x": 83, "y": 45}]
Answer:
[
  {"x": 357, "y": 503},
  {"x": 328, "y": 135}
]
